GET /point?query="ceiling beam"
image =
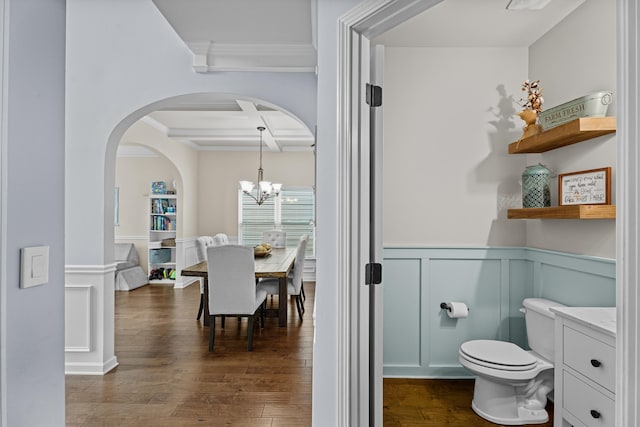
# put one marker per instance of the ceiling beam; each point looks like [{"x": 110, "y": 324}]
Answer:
[{"x": 252, "y": 112}]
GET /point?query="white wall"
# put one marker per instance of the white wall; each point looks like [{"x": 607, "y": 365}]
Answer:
[
  {"x": 124, "y": 60},
  {"x": 32, "y": 136},
  {"x": 449, "y": 115},
  {"x": 574, "y": 59},
  {"x": 114, "y": 69},
  {"x": 447, "y": 125}
]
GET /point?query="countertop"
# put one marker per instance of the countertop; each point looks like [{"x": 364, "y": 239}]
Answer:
[{"x": 602, "y": 319}]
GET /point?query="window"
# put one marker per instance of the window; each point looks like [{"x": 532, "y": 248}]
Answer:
[{"x": 292, "y": 211}]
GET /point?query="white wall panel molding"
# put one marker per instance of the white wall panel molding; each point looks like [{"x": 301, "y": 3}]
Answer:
[
  {"x": 77, "y": 302},
  {"x": 210, "y": 56},
  {"x": 185, "y": 256},
  {"x": 89, "y": 336}
]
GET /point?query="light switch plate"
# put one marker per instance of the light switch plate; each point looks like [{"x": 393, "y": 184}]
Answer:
[{"x": 34, "y": 266}]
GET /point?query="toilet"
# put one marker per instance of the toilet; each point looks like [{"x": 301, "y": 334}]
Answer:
[{"x": 512, "y": 384}]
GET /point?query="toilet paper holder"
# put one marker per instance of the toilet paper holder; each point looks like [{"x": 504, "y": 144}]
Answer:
[{"x": 445, "y": 306}]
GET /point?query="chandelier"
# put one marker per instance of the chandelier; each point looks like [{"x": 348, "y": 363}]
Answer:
[{"x": 265, "y": 189}]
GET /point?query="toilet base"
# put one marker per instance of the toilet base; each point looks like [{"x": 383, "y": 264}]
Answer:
[
  {"x": 525, "y": 416},
  {"x": 498, "y": 403}
]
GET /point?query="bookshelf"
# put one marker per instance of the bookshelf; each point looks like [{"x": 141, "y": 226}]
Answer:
[{"x": 163, "y": 210}]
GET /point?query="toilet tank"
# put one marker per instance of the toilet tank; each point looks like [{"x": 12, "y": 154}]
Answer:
[{"x": 539, "y": 321}]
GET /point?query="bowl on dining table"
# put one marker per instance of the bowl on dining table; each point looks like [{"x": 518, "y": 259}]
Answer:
[{"x": 262, "y": 250}]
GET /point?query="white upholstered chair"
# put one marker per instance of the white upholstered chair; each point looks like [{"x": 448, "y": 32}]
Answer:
[
  {"x": 294, "y": 281},
  {"x": 220, "y": 239},
  {"x": 276, "y": 238},
  {"x": 202, "y": 243},
  {"x": 304, "y": 237},
  {"x": 232, "y": 287}
]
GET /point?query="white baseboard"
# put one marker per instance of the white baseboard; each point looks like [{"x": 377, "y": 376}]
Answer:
[{"x": 90, "y": 368}]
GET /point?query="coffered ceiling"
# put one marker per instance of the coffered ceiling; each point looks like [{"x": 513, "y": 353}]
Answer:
[{"x": 280, "y": 35}]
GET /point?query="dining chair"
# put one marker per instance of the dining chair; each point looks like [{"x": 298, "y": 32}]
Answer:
[
  {"x": 220, "y": 239},
  {"x": 294, "y": 281},
  {"x": 232, "y": 287},
  {"x": 202, "y": 243},
  {"x": 304, "y": 237},
  {"x": 276, "y": 238}
]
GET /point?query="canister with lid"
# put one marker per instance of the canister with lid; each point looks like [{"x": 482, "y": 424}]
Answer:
[{"x": 536, "y": 187}]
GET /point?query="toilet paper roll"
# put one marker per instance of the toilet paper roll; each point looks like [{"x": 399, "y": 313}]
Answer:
[{"x": 457, "y": 310}]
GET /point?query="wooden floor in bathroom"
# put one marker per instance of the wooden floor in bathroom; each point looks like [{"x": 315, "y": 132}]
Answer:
[{"x": 437, "y": 403}]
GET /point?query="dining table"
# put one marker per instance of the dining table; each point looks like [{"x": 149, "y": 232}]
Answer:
[{"x": 276, "y": 264}]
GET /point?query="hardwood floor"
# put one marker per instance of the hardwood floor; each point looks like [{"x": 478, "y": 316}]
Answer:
[
  {"x": 166, "y": 376},
  {"x": 419, "y": 402}
]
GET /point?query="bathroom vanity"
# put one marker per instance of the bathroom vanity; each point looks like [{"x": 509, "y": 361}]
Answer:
[{"x": 585, "y": 344}]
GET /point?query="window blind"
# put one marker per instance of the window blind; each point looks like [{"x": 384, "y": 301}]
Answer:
[{"x": 292, "y": 211}]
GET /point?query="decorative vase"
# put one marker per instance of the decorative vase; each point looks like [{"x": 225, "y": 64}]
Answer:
[
  {"x": 536, "y": 187},
  {"x": 531, "y": 127}
]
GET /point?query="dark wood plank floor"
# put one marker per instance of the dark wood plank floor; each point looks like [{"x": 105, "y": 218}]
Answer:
[{"x": 166, "y": 376}]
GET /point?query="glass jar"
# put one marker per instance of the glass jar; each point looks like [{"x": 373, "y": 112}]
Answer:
[{"x": 536, "y": 187}]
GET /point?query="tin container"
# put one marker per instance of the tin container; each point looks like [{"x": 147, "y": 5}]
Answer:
[
  {"x": 593, "y": 105},
  {"x": 536, "y": 187}
]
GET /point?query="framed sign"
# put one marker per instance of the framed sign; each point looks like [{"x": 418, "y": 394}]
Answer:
[{"x": 590, "y": 187}]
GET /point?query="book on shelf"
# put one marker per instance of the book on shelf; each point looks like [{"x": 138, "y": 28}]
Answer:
[{"x": 162, "y": 223}]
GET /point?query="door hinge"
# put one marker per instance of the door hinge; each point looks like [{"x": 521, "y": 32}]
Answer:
[
  {"x": 373, "y": 273},
  {"x": 374, "y": 95}
]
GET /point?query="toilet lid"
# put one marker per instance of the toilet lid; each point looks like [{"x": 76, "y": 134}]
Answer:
[{"x": 499, "y": 354}]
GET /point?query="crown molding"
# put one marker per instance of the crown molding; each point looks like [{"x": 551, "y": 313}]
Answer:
[{"x": 209, "y": 56}]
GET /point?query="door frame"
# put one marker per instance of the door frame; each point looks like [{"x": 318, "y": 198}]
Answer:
[
  {"x": 4, "y": 41},
  {"x": 374, "y": 17}
]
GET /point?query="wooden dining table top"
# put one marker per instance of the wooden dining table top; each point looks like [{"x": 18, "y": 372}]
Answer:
[{"x": 277, "y": 264}]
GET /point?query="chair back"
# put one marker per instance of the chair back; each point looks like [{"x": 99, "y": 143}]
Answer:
[
  {"x": 276, "y": 238},
  {"x": 298, "y": 267},
  {"x": 220, "y": 239},
  {"x": 202, "y": 243},
  {"x": 232, "y": 279}
]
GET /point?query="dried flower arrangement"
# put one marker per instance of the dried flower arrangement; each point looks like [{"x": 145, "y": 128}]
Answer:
[{"x": 534, "y": 98}]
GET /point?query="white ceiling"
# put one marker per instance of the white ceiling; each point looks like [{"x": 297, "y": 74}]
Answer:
[
  {"x": 280, "y": 35},
  {"x": 477, "y": 23}
]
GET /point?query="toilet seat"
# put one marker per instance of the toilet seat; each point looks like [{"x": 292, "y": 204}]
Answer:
[{"x": 500, "y": 355}]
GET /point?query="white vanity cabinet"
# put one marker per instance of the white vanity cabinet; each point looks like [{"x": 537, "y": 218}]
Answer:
[{"x": 585, "y": 356}]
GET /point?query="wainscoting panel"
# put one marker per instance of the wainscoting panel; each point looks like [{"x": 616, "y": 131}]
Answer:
[
  {"x": 77, "y": 303},
  {"x": 402, "y": 312},
  {"x": 473, "y": 282},
  {"x": 420, "y": 340}
]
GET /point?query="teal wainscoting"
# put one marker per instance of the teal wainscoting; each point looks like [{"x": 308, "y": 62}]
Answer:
[{"x": 420, "y": 340}]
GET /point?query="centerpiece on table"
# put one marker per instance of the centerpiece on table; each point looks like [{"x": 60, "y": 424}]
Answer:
[{"x": 532, "y": 106}]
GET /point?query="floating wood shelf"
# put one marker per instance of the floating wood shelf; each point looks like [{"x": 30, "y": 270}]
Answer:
[
  {"x": 565, "y": 212},
  {"x": 577, "y": 130}
]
